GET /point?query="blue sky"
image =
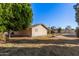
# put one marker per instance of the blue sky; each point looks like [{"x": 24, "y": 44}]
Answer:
[{"x": 54, "y": 14}]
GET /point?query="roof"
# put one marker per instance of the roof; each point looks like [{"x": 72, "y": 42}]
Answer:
[{"x": 40, "y": 24}]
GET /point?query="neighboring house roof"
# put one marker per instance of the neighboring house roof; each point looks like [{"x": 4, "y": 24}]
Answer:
[{"x": 40, "y": 24}]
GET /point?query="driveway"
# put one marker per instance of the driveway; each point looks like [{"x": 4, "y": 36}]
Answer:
[{"x": 70, "y": 36}]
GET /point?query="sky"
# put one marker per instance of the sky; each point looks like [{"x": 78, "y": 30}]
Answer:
[{"x": 54, "y": 14}]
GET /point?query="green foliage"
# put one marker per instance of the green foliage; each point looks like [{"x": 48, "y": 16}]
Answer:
[
  {"x": 76, "y": 7},
  {"x": 15, "y": 16}
]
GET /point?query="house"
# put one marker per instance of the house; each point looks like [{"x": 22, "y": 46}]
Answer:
[
  {"x": 35, "y": 30},
  {"x": 68, "y": 29}
]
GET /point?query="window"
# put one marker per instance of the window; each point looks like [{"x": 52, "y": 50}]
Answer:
[{"x": 36, "y": 30}]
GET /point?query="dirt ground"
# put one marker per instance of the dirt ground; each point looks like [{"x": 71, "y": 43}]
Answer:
[{"x": 54, "y": 46}]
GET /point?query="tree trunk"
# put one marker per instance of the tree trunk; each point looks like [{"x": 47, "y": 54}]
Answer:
[
  {"x": 4, "y": 37},
  {"x": 9, "y": 35},
  {"x": 77, "y": 32}
]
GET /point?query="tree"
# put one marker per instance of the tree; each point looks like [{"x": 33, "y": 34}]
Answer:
[
  {"x": 15, "y": 17},
  {"x": 53, "y": 28},
  {"x": 49, "y": 30},
  {"x": 76, "y": 7},
  {"x": 77, "y": 31},
  {"x": 59, "y": 30}
]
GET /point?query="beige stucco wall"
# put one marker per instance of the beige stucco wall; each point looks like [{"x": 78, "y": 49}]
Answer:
[
  {"x": 39, "y": 31},
  {"x": 34, "y": 31}
]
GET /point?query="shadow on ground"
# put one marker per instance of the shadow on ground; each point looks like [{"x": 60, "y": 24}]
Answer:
[
  {"x": 43, "y": 51},
  {"x": 75, "y": 41}
]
